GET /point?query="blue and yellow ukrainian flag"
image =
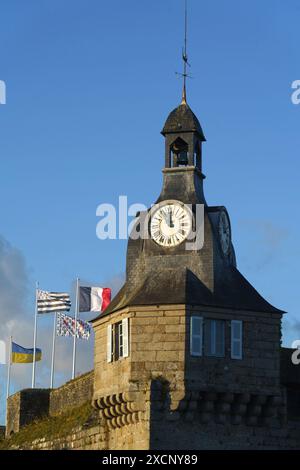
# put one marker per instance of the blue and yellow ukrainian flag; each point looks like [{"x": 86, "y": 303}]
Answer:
[{"x": 21, "y": 355}]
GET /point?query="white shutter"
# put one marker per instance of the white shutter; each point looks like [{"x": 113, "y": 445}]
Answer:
[
  {"x": 125, "y": 337},
  {"x": 196, "y": 336},
  {"x": 236, "y": 339},
  {"x": 109, "y": 343}
]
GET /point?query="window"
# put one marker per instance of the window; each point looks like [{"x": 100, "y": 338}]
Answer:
[
  {"x": 117, "y": 341},
  {"x": 196, "y": 336},
  {"x": 207, "y": 337},
  {"x": 236, "y": 339},
  {"x": 214, "y": 338}
]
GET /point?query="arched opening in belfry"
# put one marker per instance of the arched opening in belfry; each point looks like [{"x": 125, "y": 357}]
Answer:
[{"x": 179, "y": 153}]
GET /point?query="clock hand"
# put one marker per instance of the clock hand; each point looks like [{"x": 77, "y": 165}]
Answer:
[
  {"x": 171, "y": 221},
  {"x": 167, "y": 218}
]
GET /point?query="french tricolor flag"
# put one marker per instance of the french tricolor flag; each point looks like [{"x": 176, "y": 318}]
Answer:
[{"x": 94, "y": 299}]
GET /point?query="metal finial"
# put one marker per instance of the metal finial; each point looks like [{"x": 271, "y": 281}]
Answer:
[
  {"x": 186, "y": 64},
  {"x": 185, "y": 55}
]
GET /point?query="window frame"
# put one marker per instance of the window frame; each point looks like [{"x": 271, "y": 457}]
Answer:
[
  {"x": 118, "y": 340},
  {"x": 212, "y": 331}
]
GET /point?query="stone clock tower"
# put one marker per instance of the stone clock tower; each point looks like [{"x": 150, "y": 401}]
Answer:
[{"x": 187, "y": 354}]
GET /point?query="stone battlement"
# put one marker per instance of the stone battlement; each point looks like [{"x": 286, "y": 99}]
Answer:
[{"x": 30, "y": 405}]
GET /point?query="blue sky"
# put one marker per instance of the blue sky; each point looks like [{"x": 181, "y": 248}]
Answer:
[{"x": 89, "y": 86}]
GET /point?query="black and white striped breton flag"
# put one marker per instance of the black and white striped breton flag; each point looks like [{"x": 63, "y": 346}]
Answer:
[{"x": 48, "y": 302}]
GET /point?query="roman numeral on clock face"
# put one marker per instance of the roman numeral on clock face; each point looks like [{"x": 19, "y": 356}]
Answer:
[{"x": 170, "y": 224}]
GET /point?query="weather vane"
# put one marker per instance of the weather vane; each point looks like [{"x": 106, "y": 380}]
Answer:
[{"x": 185, "y": 56}]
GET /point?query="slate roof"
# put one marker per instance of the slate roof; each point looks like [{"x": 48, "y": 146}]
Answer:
[
  {"x": 181, "y": 286},
  {"x": 182, "y": 119}
]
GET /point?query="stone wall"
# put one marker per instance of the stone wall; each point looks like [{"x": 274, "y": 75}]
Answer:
[
  {"x": 25, "y": 407},
  {"x": 257, "y": 372},
  {"x": 217, "y": 439},
  {"x": 13, "y": 414},
  {"x": 93, "y": 438},
  {"x": 198, "y": 391},
  {"x": 162, "y": 398},
  {"x": 167, "y": 419},
  {"x": 73, "y": 393},
  {"x": 160, "y": 349},
  {"x": 173, "y": 431},
  {"x": 182, "y": 435},
  {"x": 29, "y": 405}
]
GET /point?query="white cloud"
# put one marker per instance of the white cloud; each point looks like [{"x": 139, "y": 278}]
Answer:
[{"x": 17, "y": 318}]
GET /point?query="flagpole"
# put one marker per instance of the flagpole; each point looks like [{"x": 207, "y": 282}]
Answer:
[
  {"x": 53, "y": 350},
  {"x": 8, "y": 379},
  {"x": 8, "y": 368},
  {"x": 34, "y": 336},
  {"x": 75, "y": 329}
]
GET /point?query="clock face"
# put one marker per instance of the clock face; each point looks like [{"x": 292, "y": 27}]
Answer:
[
  {"x": 170, "y": 224},
  {"x": 224, "y": 232}
]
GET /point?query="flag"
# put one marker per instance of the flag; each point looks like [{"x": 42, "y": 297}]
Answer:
[
  {"x": 48, "y": 302},
  {"x": 94, "y": 299},
  {"x": 2, "y": 352},
  {"x": 22, "y": 355},
  {"x": 66, "y": 327}
]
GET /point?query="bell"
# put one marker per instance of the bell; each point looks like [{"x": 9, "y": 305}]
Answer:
[{"x": 182, "y": 159}]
